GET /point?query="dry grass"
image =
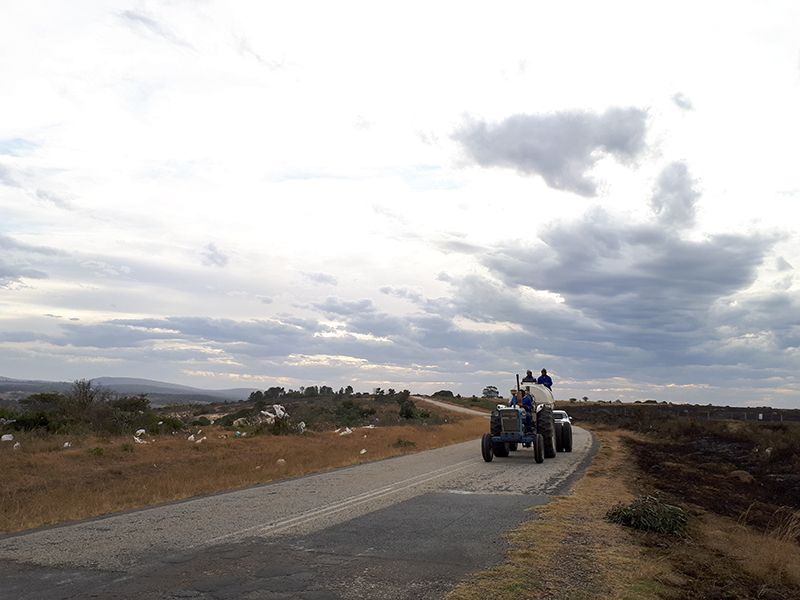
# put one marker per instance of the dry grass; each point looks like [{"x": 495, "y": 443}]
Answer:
[
  {"x": 45, "y": 483},
  {"x": 772, "y": 557},
  {"x": 570, "y": 551}
]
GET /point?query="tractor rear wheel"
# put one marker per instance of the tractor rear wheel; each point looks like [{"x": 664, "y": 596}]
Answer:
[
  {"x": 567, "y": 437},
  {"x": 545, "y": 424},
  {"x": 538, "y": 448},
  {"x": 486, "y": 447}
]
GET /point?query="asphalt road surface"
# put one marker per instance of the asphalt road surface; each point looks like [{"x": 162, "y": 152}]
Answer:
[{"x": 407, "y": 527}]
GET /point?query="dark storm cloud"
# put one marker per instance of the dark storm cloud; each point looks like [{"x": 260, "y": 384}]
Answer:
[
  {"x": 561, "y": 147},
  {"x": 675, "y": 196},
  {"x": 630, "y": 289}
]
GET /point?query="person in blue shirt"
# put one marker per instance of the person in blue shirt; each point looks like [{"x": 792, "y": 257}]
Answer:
[
  {"x": 527, "y": 403},
  {"x": 545, "y": 380}
]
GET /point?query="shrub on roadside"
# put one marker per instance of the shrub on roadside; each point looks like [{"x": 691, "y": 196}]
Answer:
[{"x": 648, "y": 513}]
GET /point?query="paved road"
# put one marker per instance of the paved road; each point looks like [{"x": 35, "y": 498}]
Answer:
[{"x": 406, "y": 527}]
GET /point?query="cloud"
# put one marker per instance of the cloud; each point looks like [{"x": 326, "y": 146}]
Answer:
[
  {"x": 321, "y": 278},
  {"x": 333, "y": 305},
  {"x": 405, "y": 292},
  {"x": 9, "y": 243},
  {"x": 7, "y": 177},
  {"x": 682, "y": 102},
  {"x": 783, "y": 265},
  {"x": 138, "y": 22},
  {"x": 16, "y": 147},
  {"x": 628, "y": 288},
  {"x": 675, "y": 196},
  {"x": 213, "y": 256},
  {"x": 561, "y": 147},
  {"x": 59, "y": 201},
  {"x": 13, "y": 273}
]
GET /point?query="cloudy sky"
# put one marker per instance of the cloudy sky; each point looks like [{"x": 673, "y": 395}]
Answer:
[{"x": 418, "y": 195}]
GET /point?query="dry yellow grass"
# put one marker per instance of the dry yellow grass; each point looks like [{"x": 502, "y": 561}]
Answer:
[
  {"x": 771, "y": 556},
  {"x": 45, "y": 483}
]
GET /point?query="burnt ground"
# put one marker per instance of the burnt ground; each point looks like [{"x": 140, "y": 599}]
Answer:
[
  {"x": 746, "y": 471},
  {"x": 708, "y": 474}
]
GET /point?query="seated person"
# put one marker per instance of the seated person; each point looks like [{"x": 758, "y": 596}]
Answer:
[
  {"x": 529, "y": 378},
  {"x": 527, "y": 404},
  {"x": 545, "y": 380}
]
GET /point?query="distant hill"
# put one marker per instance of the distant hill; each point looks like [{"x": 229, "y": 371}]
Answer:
[{"x": 159, "y": 392}]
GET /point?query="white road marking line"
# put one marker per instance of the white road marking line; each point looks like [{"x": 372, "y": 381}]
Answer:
[{"x": 342, "y": 504}]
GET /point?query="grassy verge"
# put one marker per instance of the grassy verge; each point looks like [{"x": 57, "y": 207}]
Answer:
[
  {"x": 571, "y": 551},
  {"x": 45, "y": 483}
]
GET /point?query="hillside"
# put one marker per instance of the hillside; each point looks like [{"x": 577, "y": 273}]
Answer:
[{"x": 158, "y": 392}]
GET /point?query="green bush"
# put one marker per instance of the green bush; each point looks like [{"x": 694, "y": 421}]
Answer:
[{"x": 648, "y": 513}]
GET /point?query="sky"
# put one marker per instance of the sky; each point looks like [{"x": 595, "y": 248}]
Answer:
[{"x": 418, "y": 196}]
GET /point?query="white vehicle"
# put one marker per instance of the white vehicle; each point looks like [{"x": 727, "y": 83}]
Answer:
[{"x": 561, "y": 416}]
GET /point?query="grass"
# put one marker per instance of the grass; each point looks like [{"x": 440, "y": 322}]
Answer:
[{"x": 45, "y": 483}]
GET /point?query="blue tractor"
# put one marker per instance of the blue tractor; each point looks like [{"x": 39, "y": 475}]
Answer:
[{"x": 527, "y": 420}]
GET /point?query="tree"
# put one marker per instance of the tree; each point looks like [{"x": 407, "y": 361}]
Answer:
[
  {"x": 490, "y": 392},
  {"x": 274, "y": 393},
  {"x": 443, "y": 394},
  {"x": 348, "y": 390}
]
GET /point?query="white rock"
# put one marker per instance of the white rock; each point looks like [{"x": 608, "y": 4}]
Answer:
[{"x": 7, "y": 437}]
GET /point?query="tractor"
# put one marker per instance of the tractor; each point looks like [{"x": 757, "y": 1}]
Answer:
[{"x": 527, "y": 420}]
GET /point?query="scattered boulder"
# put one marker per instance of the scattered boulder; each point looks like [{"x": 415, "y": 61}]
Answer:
[{"x": 742, "y": 476}]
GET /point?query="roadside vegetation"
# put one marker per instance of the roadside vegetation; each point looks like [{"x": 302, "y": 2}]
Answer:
[{"x": 88, "y": 451}]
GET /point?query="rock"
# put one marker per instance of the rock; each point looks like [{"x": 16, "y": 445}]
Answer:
[{"x": 742, "y": 476}]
